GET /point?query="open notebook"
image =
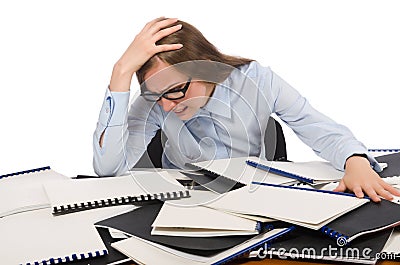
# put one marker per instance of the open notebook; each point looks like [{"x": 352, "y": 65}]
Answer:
[
  {"x": 138, "y": 223},
  {"x": 38, "y": 237},
  {"x": 152, "y": 253},
  {"x": 83, "y": 194},
  {"x": 313, "y": 172},
  {"x": 305, "y": 207},
  {"x": 239, "y": 170},
  {"x": 23, "y": 191},
  {"x": 175, "y": 219}
]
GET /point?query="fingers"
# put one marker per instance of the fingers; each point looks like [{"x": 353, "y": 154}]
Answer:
[
  {"x": 370, "y": 191},
  {"x": 158, "y": 29},
  {"x": 151, "y": 23},
  {"x": 378, "y": 191},
  {"x": 358, "y": 191},
  {"x": 167, "y": 31},
  {"x": 341, "y": 187},
  {"x": 158, "y": 25},
  {"x": 390, "y": 189},
  {"x": 387, "y": 191},
  {"x": 384, "y": 193},
  {"x": 168, "y": 47}
]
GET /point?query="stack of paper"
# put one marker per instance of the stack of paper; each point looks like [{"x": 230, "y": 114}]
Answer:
[{"x": 152, "y": 253}]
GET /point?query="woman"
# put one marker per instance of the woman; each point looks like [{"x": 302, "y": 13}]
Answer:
[{"x": 211, "y": 105}]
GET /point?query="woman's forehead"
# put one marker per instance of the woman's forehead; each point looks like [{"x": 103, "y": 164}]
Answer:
[{"x": 163, "y": 77}]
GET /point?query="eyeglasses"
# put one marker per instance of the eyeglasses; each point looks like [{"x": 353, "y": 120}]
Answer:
[{"x": 172, "y": 94}]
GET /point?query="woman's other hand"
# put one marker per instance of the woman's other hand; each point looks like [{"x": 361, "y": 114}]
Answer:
[{"x": 360, "y": 178}]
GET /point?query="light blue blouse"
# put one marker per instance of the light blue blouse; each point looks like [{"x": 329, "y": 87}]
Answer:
[{"x": 231, "y": 124}]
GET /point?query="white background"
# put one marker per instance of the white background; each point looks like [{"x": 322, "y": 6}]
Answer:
[{"x": 56, "y": 59}]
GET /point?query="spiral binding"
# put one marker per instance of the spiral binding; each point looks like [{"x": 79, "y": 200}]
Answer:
[
  {"x": 25, "y": 172},
  {"x": 213, "y": 174},
  {"x": 76, "y": 207},
  {"x": 264, "y": 243},
  {"x": 384, "y": 150},
  {"x": 280, "y": 172},
  {"x": 332, "y": 233},
  {"x": 73, "y": 257}
]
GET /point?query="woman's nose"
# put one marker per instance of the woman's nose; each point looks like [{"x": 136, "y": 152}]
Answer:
[{"x": 166, "y": 104}]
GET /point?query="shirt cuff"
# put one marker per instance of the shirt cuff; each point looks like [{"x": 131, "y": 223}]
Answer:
[
  {"x": 114, "y": 109},
  {"x": 119, "y": 108}
]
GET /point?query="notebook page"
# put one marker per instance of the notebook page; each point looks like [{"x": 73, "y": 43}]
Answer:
[
  {"x": 319, "y": 171},
  {"x": 25, "y": 192},
  {"x": 392, "y": 246},
  {"x": 116, "y": 189},
  {"x": 291, "y": 205},
  {"x": 237, "y": 169},
  {"x": 38, "y": 235},
  {"x": 183, "y": 218},
  {"x": 152, "y": 253},
  {"x": 200, "y": 232}
]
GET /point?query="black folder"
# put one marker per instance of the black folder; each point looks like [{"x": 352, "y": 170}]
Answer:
[
  {"x": 393, "y": 162},
  {"x": 312, "y": 245},
  {"x": 138, "y": 223},
  {"x": 366, "y": 219}
]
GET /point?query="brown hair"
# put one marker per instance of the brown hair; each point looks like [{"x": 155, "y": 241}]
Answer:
[{"x": 195, "y": 47}]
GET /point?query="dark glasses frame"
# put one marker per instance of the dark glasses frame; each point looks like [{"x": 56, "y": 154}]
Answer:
[{"x": 154, "y": 97}]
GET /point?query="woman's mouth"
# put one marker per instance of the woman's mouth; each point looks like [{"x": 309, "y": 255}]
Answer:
[{"x": 180, "y": 110}]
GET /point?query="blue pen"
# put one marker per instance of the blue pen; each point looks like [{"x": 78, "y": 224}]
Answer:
[{"x": 279, "y": 172}]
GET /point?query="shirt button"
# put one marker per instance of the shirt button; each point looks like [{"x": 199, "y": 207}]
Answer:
[{"x": 107, "y": 110}]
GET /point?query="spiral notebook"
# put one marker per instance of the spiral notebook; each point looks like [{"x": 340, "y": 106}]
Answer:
[
  {"x": 236, "y": 170},
  {"x": 113, "y": 256},
  {"x": 253, "y": 169},
  {"x": 313, "y": 172},
  {"x": 369, "y": 218},
  {"x": 23, "y": 191},
  {"x": 39, "y": 237},
  {"x": 84, "y": 194},
  {"x": 310, "y": 208}
]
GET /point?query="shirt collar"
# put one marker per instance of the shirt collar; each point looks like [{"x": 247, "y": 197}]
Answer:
[{"x": 220, "y": 101}]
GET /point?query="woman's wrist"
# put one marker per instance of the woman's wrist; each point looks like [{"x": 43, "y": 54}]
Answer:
[
  {"x": 356, "y": 159},
  {"x": 120, "y": 79}
]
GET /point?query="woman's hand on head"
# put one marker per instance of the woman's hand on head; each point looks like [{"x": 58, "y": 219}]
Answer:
[
  {"x": 360, "y": 178},
  {"x": 142, "y": 48}
]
